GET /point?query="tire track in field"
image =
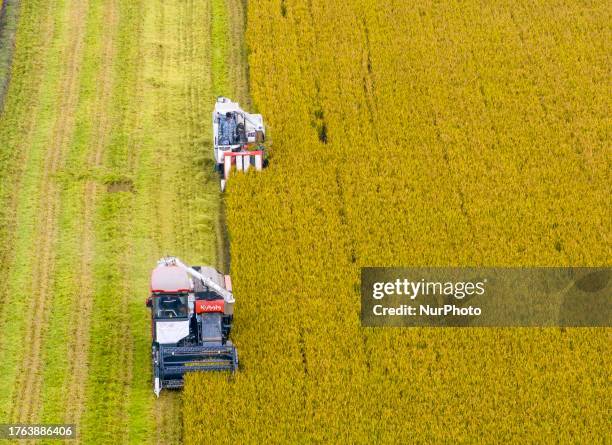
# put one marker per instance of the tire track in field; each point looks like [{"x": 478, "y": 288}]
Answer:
[
  {"x": 165, "y": 404},
  {"x": 238, "y": 66},
  {"x": 192, "y": 241},
  {"x": 126, "y": 349},
  {"x": 191, "y": 109},
  {"x": 183, "y": 98},
  {"x": 78, "y": 361},
  {"x": 188, "y": 236},
  {"x": 238, "y": 76},
  {"x": 27, "y": 404},
  {"x": 168, "y": 407}
]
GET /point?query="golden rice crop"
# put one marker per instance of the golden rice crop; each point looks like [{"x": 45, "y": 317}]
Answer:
[{"x": 414, "y": 133}]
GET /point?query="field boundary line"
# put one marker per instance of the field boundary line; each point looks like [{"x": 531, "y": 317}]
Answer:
[{"x": 9, "y": 17}]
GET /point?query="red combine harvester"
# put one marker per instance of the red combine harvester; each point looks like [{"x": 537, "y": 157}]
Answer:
[{"x": 192, "y": 310}]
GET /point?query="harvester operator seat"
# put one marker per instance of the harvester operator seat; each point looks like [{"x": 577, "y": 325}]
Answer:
[
  {"x": 169, "y": 307},
  {"x": 241, "y": 137}
]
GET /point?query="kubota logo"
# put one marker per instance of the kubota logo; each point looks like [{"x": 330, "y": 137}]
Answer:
[{"x": 209, "y": 306}]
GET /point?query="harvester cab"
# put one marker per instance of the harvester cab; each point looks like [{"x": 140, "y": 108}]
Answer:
[
  {"x": 238, "y": 139},
  {"x": 192, "y": 310}
]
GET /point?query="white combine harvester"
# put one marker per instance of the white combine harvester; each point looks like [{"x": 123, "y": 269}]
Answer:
[{"x": 238, "y": 138}]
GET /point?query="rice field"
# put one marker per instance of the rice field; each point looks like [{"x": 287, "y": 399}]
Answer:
[{"x": 402, "y": 134}]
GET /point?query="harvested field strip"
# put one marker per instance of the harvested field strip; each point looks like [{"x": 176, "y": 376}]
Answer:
[
  {"x": 17, "y": 127},
  {"x": 108, "y": 137},
  {"x": 177, "y": 156},
  {"x": 172, "y": 209},
  {"x": 26, "y": 403},
  {"x": 32, "y": 213},
  {"x": 106, "y": 418},
  {"x": 66, "y": 358}
]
